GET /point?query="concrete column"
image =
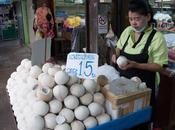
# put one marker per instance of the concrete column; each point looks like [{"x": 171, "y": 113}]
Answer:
[{"x": 25, "y": 21}]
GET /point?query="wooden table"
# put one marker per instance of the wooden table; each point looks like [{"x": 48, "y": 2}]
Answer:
[{"x": 166, "y": 99}]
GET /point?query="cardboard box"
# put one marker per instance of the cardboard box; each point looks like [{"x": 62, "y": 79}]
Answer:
[{"x": 120, "y": 105}]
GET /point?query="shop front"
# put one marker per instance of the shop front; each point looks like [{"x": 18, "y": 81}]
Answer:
[
  {"x": 11, "y": 24},
  {"x": 7, "y": 21}
]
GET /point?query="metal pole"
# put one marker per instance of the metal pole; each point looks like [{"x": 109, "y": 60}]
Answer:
[{"x": 45, "y": 49}]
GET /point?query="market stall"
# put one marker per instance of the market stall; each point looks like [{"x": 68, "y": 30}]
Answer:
[{"x": 50, "y": 97}]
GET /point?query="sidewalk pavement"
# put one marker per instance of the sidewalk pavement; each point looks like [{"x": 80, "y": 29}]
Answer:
[{"x": 11, "y": 54}]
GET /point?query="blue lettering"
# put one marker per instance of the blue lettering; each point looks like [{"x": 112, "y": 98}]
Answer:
[{"x": 71, "y": 71}]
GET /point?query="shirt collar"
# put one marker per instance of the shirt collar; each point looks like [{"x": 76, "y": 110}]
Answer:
[{"x": 148, "y": 28}]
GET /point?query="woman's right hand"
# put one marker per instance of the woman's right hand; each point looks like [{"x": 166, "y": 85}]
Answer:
[{"x": 114, "y": 58}]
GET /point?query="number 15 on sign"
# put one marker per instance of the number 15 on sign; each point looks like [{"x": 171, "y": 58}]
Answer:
[{"x": 83, "y": 65}]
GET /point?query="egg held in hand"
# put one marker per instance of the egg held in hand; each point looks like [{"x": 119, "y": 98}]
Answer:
[{"x": 122, "y": 61}]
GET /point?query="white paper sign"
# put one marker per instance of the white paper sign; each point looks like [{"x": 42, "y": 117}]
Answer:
[
  {"x": 83, "y": 65},
  {"x": 102, "y": 24}
]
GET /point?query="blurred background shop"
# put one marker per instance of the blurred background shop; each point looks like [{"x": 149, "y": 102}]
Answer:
[
  {"x": 11, "y": 22},
  {"x": 95, "y": 25},
  {"x": 77, "y": 21}
]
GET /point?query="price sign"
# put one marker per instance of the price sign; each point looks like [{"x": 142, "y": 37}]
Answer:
[{"x": 82, "y": 65}]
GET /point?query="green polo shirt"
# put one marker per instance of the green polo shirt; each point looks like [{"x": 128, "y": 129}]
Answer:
[{"x": 157, "y": 51}]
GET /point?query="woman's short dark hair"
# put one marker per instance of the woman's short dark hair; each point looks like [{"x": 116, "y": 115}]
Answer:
[{"x": 142, "y": 7}]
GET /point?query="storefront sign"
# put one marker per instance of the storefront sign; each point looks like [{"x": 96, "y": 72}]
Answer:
[
  {"x": 82, "y": 65},
  {"x": 102, "y": 24}
]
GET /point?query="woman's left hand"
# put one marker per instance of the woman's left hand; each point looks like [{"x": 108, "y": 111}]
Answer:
[{"x": 131, "y": 64}]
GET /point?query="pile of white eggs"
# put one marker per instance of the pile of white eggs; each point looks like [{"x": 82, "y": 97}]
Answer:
[{"x": 47, "y": 98}]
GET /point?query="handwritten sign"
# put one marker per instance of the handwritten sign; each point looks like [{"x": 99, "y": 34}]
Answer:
[{"x": 82, "y": 65}]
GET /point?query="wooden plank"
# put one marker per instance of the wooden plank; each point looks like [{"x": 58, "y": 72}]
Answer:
[
  {"x": 165, "y": 100},
  {"x": 92, "y": 25}
]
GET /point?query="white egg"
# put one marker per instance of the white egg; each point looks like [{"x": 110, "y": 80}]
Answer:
[{"x": 122, "y": 61}]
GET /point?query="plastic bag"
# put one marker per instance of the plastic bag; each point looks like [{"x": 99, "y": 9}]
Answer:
[{"x": 109, "y": 71}]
